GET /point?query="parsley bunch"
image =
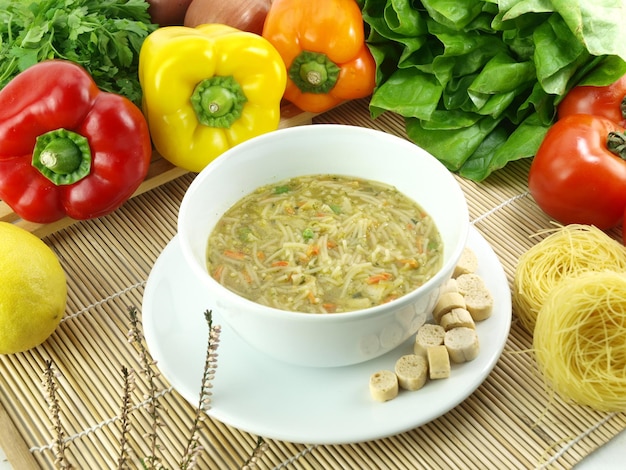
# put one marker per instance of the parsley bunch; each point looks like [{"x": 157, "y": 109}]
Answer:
[{"x": 104, "y": 36}]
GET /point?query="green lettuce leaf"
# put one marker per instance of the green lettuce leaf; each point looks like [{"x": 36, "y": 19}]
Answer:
[{"x": 479, "y": 81}]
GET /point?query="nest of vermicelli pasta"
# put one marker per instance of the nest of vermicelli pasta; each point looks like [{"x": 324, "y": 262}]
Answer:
[
  {"x": 568, "y": 251},
  {"x": 580, "y": 340}
]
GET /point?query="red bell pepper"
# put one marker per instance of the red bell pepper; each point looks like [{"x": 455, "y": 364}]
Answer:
[{"x": 66, "y": 147}]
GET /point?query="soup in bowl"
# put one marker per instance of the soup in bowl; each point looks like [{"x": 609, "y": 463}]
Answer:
[{"x": 323, "y": 245}]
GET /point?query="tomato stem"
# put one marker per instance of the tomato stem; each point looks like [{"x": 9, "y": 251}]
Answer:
[{"x": 616, "y": 143}]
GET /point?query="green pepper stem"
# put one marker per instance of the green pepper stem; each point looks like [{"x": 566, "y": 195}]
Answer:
[
  {"x": 218, "y": 101},
  {"x": 616, "y": 143},
  {"x": 62, "y": 156},
  {"x": 314, "y": 72}
]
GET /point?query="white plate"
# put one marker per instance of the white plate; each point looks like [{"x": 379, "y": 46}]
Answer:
[{"x": 275, "y": 400}]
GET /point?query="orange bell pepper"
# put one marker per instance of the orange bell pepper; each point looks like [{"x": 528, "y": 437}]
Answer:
[{"x": 322, "y": 43}]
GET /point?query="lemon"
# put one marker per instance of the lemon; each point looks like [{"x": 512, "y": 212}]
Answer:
[{"x": 33, "y": 290}]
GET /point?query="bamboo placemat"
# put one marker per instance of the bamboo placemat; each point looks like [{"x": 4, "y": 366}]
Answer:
[{"x": 508, "y": 422}]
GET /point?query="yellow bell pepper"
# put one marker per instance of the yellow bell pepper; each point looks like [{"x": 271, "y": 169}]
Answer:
[{"x": 208, "y": 88}]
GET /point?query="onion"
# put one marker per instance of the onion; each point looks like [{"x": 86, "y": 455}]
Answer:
[
  {"x": 168, "y": 12},
  {"x": 246, "y": 15}
]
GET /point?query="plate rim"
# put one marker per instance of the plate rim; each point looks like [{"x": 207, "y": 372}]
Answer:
[{"x": 268, "y": 430}]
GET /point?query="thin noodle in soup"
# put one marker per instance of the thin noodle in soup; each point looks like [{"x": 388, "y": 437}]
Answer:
[{"x": 324, "y": 244}]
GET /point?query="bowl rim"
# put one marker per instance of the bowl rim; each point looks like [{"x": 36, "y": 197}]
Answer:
[{"x": 216, "y": 289}]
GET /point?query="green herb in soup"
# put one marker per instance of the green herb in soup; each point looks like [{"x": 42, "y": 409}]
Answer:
[{"x": 324, "y": 244}]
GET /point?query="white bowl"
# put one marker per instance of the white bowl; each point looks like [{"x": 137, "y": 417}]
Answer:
[{"x": 323, "y": 340}]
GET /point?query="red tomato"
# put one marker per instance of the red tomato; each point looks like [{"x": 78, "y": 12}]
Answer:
[
  {"x": 575, "y": 178},
  {"x": 624, "y": 230},
  {"x": 605, "y": 101}
]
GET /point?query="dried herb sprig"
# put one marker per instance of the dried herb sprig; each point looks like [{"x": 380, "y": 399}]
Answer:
[
  {"x": 129, "y": 385},
  {"x": 153, "y": 461},
  {"x": 51, "y": 387},
  {"x": 259, "y": 449},
  {"x": 210, "y": 364}
]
